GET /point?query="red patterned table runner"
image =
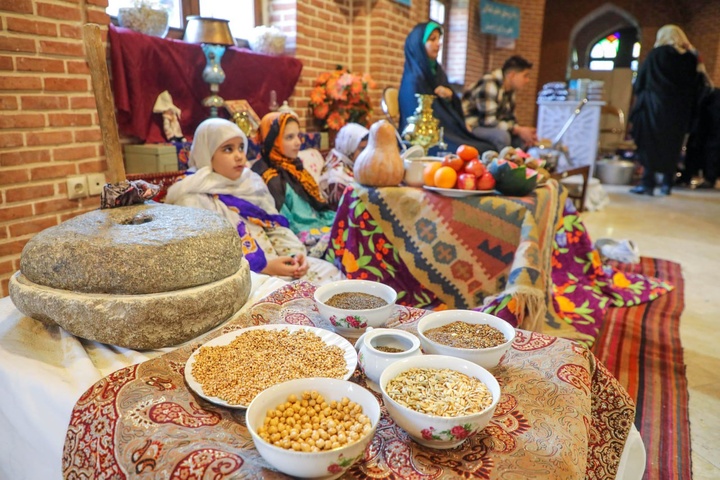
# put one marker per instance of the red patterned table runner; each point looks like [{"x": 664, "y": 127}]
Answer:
[{"x": 561, "y": 415}]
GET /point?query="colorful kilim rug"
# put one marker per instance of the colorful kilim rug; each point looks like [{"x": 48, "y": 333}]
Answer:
[
  {"x": 462, "y": 252},
  {"x": 641, "y": 347}
]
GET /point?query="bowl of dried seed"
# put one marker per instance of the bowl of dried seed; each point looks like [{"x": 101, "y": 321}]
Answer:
[
  {"x": 476, "y": 336},
  {"x": 313, "y": 427},
  {"x": 440, "y": 401},
  {"x": 351, "y": 306}
]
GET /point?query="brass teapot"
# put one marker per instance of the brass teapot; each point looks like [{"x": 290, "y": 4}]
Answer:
[{"x": 422, "y": 127}]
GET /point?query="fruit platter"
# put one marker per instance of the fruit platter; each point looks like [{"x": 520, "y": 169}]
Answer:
[{"x": 511, "y": 171}]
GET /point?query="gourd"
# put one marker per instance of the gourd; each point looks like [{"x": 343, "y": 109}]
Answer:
[{"x": 380, "y": 164}]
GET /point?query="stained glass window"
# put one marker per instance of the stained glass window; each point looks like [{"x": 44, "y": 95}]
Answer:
[{"x": 604, "y": 51}]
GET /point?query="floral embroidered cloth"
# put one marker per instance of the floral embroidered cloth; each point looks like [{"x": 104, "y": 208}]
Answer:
[
  {"x": 492, "y": 251},
  {"x": 584, "y": 287},
  {"x": 561, "y": 415}
]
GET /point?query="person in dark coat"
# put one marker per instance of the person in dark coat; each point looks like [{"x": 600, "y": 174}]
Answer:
[
  {"x": 666, "y": 93},
  {"x": 703, "y": 149},
  {"x": 423, "y": 74}
]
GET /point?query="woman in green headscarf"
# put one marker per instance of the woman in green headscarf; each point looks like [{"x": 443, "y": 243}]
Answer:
[{"x": 423, "y": 74}]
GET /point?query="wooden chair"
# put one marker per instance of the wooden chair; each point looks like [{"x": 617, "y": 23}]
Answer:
[
  {"x": 578, "y": 197},
  {"x": 613, "y": 129},
  {"x": 390, "y": 105}
]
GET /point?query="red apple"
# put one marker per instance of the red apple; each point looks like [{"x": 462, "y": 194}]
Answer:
[
  {"x": 486, "y": 182},
  {"x": 466, "y": 181},
  {"x": 475, "y": 167},
  {"x": 452, "y": 160}
]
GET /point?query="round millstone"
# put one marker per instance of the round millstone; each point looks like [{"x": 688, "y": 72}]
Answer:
[
  {"x": 133, "y": 250},
  {"x": 135, "y": 321}
]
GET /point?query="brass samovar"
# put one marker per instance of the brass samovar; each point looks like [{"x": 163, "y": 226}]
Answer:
[{"x": 422, "y": 127}]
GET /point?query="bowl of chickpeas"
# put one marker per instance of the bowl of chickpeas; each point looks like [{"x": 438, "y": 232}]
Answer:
[
  {"x": 313, "y": 427},
  {"x": 476, "y": 336}
]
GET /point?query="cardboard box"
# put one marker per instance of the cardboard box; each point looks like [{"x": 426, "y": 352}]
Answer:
[{"x": 150, "y": 158}]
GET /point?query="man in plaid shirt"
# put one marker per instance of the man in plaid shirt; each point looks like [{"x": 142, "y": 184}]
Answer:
[{"x": 489, "y": 106}]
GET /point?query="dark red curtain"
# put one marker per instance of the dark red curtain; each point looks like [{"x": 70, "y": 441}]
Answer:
[{"x": 144, "y": 66}]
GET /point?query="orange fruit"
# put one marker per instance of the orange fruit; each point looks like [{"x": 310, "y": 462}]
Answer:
[
  {"x": 445, "y": 177},
  {"x": 429, "y": 173},
  {"x": 467, "y": 153}
]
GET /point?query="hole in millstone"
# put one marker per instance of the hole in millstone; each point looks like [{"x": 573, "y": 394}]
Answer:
[{"x": 138, "y": 219}]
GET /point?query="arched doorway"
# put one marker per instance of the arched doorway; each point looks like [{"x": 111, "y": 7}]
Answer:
[
  {"x": 603, "y": 21},
  {"x": 606, "y": 39}
]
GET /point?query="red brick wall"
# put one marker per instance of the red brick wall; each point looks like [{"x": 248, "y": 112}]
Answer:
[
  {"x": 329, "y": 34},
  {"x": 703, "y": 32},
  {"x": 370, "y": 39},
  {"x": 48, "y": 120},
  {"x": 699, "y": 19},
  {"x": 483, "y": 55}
]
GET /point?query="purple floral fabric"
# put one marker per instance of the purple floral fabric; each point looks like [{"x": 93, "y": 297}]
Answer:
[{"x": 584, "y": 287}]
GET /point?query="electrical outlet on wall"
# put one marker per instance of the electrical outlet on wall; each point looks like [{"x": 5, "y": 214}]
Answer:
[
  {"x": 96, "y": 182},
  {"x": 77, "y": 186}
]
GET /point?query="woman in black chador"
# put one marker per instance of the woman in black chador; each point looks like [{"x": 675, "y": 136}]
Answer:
[{"x": 666, "y": 93}]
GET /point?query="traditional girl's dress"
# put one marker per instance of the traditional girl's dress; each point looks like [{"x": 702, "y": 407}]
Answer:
[
  {"x": 296, "y": 194},
  {"x": 338, "y": 170},
  {"x": 245, "y": 202}
]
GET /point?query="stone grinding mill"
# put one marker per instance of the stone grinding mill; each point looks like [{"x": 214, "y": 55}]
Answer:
[{"x": 138, "y": 276}]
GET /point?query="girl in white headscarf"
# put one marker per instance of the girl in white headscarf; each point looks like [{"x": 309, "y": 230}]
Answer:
[
  {"x": 220, "y": 180},
  {"x": 338, "y": 170}
]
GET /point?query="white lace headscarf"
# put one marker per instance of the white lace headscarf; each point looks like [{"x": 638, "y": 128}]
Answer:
[{"x": 209, "y": 135}]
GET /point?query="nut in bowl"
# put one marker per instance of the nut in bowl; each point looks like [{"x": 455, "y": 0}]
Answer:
[
  {"x": 328, "y": 460},
  {"x": 353, "y": 305},
  {"x": 477, "y": 338},
  {"x": 416, "y": 395}
]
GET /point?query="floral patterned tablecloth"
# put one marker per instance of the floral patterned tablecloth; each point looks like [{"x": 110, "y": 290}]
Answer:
[{"x": 561, "y": 415}]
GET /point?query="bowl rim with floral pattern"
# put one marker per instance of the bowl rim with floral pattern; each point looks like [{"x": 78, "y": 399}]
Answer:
[
  {"x": 312, "y": 464},
  {"x": 354, "y": 322},
  {"x": 432, "y": 430}
]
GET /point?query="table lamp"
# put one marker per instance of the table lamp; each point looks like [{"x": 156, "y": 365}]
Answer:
[{"x": 214, "y": 35}]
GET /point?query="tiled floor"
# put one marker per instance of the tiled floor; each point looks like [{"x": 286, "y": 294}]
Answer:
[{"x": 684, "y": 228}]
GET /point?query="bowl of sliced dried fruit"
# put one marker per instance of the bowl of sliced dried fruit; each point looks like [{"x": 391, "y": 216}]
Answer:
[
  {"x": 440, "y": 401},
  {"x": 313, "y": 427},
  {"x": 351, "y": 306},
  {"x": 475, "y": 336}
]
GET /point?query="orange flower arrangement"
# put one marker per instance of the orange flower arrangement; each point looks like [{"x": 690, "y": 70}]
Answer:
[{"x": 340, "y": 97}]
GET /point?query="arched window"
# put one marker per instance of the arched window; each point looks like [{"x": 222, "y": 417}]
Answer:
[
  {"x": 604, "y": 53},
  {"x": 617, "y": 50}
]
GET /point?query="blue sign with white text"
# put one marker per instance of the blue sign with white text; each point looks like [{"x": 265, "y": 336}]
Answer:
[{"x": 499, "y": 19}]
